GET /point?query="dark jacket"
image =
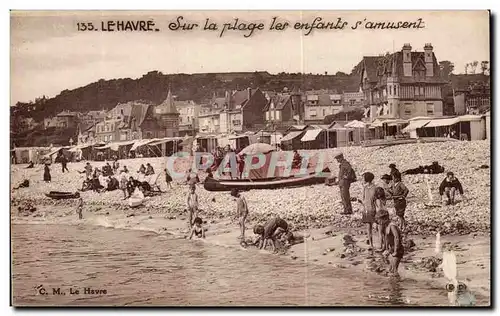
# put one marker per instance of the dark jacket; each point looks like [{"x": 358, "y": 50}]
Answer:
[
  {"x": 346, "y": 173},
  {"x": 395, "y": 173},
  {"x": 450, "y": 184}
]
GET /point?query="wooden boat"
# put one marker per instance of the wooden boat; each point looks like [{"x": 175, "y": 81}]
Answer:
[
  {"x": 267, "y": 183},
  {"x": 56, "y": 195}
]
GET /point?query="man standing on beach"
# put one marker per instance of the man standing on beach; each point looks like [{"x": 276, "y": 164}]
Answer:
[{"x": 346, "y": 177}]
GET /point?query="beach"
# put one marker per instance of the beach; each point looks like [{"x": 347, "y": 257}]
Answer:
[{"x": 313, "y": 211}]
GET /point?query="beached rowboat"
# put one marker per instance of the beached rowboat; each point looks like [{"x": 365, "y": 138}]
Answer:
[
  {"x": 267, "y": 183},
  {"x": 56, "y": 195}
]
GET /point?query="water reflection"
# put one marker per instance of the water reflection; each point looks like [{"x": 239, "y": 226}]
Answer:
[{"x": 139, "y": 268}]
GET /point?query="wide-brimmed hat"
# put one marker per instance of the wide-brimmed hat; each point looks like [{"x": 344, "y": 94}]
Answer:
[
  {"x": 392, "y": 165},
  {"x": 386, "y": 177}
]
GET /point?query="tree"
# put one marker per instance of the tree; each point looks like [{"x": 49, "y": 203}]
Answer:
[
  {"x": 446, "y": 67},
  {"x": 466, "y": 68},
  {"x": 341, "y": 74},
  {"x": 484, "y": 66},
  {"x": 473, "y": 66}
]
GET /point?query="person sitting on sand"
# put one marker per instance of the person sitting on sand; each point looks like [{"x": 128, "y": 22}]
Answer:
[
  {"x": 131, "y": 185},
  {"x": 210, "y": 174},
  {"x": 149, "y": 169},
  {"x": 449, "y": 186},
  {"x": 96, "y": 184},
  {"x": 198, "y": 230},
  {"x": 30, "y": 165},
  {"x": 142, "y": 169},
  {"x": 297, "y": 160},
  {"x": 387, "y": 185},
  {"x": 393, "y": 246},
  {"x": 273, "y": 230},
  {"x": 24, "y": 184},
  {"x": 79, "y": 209},
  {"x": 192, "y": 204},
  {"x": 124, "y": 170},
  {"x": 113, "y": 184},
  {"x": 241, "y": 211},
  {"x": 86, "y": 185},
  {"x": 399, "y": 194},
  {"x": 368, "y": 201},
  {"x": 107, "y": 170},
  {"x": 192, "y": 178}
]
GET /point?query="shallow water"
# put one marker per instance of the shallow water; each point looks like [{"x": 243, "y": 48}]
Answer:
[{"x": 143, "y": 268}]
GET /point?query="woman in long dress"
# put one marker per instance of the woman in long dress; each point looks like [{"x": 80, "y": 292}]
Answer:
[{"x": 46, "y": 173}]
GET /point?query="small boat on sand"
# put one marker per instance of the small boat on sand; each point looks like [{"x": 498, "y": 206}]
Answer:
[
  {"x": 57, "y": 195},
  {"x": 266, "y": 183}
]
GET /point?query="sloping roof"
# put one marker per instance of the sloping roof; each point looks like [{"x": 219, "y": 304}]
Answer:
[
  {"x": 370, "y": 65},
  {"x": 168, "y": 106},
  {"x": 241, "y": 97},
  {"x": 279, "y": 101},
  {"x": 376, "y": 66},
  {"x": 219, "y": 101}
]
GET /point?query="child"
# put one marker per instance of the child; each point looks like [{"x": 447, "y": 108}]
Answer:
[
  {"x": 369, "y": 204},
  {"x": 387, "y": 185},
  {"x": 393, "y": 247},
  {"x": 380, "y": 206},
  {"x": 241, "y": 211},
  {"x": 273, "y": 230},
  {"x": 192, "y": 204},
  {"x": 450, "y": 186},
  {"x": 123, "y": 185},
  {"x": 399, "y": 193},
  {"x": 79, "y": 209},
  {"x": 168, "y": 178},
  {"x": 197, "y": 229}
]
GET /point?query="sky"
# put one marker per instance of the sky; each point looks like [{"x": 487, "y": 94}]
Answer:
[{"x": 49, "y": 54}]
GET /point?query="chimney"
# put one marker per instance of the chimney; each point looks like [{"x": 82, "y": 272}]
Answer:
[
  {"x": 429, "y": 61},
  {"x": 249, "y": 92},
  {"x": 407, "y": 64}
]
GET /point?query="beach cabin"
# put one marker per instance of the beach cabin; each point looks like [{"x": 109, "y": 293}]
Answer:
[
  {"x": 207, "y": 141},
  {"x": 292, "y": 137},
  {"x": 472, "y": 126},
  {"x": 21, "y": 155}
]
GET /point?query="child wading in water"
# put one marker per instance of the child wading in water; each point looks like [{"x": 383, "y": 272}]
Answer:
[
  {"x": 241, "y": 211},
  {"x": 197, "y": 229},
  {"x": 369, "y": 204},
  {"x": 192, "y": 204},
  {"x": 393, "y": 247},
  {"x": 399, "y": 193},
  {"x": 380, "y": 207},
  {"x": 79, "y": 209}
]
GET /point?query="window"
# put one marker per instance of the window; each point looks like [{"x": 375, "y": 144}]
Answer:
[
  {"x": 267, "y": 116},
  {"x": 422, "y": 91},
  {"x": 278, "y": 115},
  {"x": 408, "y": 108},
  {"x": 352, "y": 102},
  {"x": 312, "y": 112},
  {"x": 324, "y": 112},
  {"x": 430, "y": 108},
  {"x": 417, "y": 91},
  {"x": 105, "y": 138},
  {"x": 236, "y": 123},
  {"x": 110, "y": 137}
]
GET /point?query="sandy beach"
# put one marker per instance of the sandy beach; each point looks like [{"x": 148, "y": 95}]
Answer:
[{"x": 312, "y": 210}]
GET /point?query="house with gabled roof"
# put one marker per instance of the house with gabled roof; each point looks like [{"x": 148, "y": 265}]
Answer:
[
  {"x": 402, "y": 85},
  {"x": 243, "y": 110}
]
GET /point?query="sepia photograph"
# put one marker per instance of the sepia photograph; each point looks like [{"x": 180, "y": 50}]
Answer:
[{"x": 250, "y": 158}]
